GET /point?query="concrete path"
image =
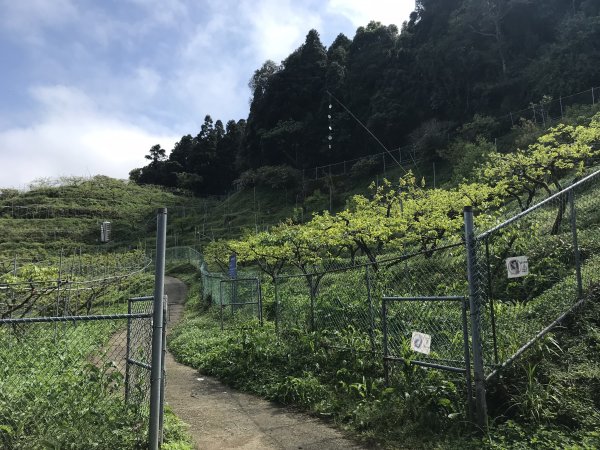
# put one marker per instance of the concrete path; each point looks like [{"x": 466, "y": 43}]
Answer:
[{"x": 221, "y": 418}]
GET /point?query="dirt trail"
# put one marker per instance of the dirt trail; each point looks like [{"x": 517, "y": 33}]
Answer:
[{"x": 221, "y": 418}]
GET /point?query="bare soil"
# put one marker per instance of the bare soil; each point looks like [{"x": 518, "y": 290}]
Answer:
[{"x": 222, "y": 418}]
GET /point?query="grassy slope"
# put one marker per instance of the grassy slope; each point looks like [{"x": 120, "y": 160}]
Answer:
[{"x": 37, "y": 224}]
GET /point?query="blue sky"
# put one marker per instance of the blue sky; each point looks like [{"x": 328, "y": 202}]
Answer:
[{"x": 88, "y": 86}]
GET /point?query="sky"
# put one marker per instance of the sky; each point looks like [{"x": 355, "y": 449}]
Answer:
[{"x": 88, "y": 86}]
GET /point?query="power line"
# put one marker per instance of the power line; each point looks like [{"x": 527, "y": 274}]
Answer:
[{"x": 367, "y": 130}]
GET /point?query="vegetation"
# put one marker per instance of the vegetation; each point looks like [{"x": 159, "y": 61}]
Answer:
[
  {"x": 330, "y": 370},
  {"x": 440, "y": 85},
  {"x": 451, "y": 63},
  {"x": 407, "y": 217},
  {"x": 62, "y": 384}
]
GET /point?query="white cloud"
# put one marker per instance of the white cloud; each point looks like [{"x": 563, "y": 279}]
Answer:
[
  {"x": 277, "y": 27},
  {"x": 110, "y": 82},
  {"x": 360, "y": 12},
  {"x": 72, "y": 137}
]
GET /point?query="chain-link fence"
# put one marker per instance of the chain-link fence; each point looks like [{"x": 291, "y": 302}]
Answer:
[
  {"x": 62, "y": 382},
  {"x": 471, "y": 306},
  {"x": 178, "y": 255},
  {"x": 69, "y": 285},
  {"x": 240, "y": 299},
  {"x": 210, "y": 286},
  {"x": 535, "y": 268},
  {"x": 80, "y": 366}
]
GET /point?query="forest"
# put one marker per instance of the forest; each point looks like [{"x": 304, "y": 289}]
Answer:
[{"x": 453, "y": 61}]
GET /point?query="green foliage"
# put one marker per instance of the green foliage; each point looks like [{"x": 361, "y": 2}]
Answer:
[
  {"x": 52, "y": 394},
  {"x": 452, "y": 62},
  {"x": 273, "y": 177},
  {"x": 466, "y": 156}
]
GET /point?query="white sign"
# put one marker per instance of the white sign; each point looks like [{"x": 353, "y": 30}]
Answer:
[
  {"x": 420, "y": 342},
  {"x": 517, "y": 266}
]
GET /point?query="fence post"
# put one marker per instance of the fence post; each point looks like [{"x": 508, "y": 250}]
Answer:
[
  {"x": 312, "y": 303},
  {"x": 157, "y": 329},
  {"x": 474, "y": 305},
  {"x": 277, "y": 312},
  {"x": 163, "y": 366},
  {"x": 128, "y": 353},
  {"x": 488, "y": 265},
  {"x": 593, "y": 97},
  {"x": 386, "y": 368},
  {"x": 575, "y": 245},
  {"x": 371, "y": 310},
  {"x": 260, "y": 312}
]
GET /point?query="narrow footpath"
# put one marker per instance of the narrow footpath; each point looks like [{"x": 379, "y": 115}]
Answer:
[{"x": 222, "y": 418}]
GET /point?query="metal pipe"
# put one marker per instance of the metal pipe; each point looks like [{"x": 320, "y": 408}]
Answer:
[
  {"x": 491, "y": 299},
  {"x": 540, "y": 204},
  {"x": 474, "y": 305},
  {"x": 164, "y": 371},
  {"x": 426, "y": 364},
  {"x": 260, "y": 314},
  {"x": 127, "y": 354},
  {"x": 143, "y": 365},
  {"x": 542, "y": 333},
  {"x": 157, "y": 330},
  {"x": 427, "y": 299},
  {"x": 75, "y": 318},
  {"x": 575, "y": 244},
  {"x": 467, "y": 361},
  {"x": 385, "y": 342}
]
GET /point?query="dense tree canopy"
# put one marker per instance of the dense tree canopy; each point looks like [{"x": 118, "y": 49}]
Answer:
[{"x": 453, "y": 59}]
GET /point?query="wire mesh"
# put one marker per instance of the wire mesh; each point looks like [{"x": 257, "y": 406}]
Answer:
[
  {"x": 293, "y": 304},
  {"x": 62, "y": 384},
  {"x": 240, "y": 300},
  {"x": 184, "y": 255},
  {"x": 139, "y": 353},
  {"x": 439, "y": 321},
  {"x": 533, "y": 269},
  {"x": 211, "y": 286}
]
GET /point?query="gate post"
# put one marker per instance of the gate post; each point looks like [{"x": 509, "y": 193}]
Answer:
[
  {"x": 475, "y": 306},
  {"x": 163, "y": 367},
  {"x": 157, "y": 330},
  {"x": 575, "y": 245}
]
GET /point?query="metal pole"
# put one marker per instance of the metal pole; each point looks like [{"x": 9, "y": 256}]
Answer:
[
  {"x": 157, "y": 330},
  {"x": 221, "y": 302},
  {"x": 593, "y": 97},
  {"x": 474, "y": 304},
  {"x": 277, "y": 312},
  {"x": 164, "y": 371},
  {"x": 467, "y": 359},
  {"x": 260, "y": 316},
  {"x": 575, "y": 245},
  {"x": 490, "y": 297},
  {"x": 386, "y": 369},
  {"x": 371, "y": 311},
  {"x": 312, "y": 303},
  {"x": 128, "y": 353}
]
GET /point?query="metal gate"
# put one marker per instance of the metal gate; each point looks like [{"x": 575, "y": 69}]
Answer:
[
  {"x": 429, "y": 332},
  {"x": 240, "y": 298}
]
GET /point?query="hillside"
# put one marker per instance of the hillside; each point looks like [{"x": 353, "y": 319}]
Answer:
[
  {"x": 67, "y": 214},
  {"x": 408, "y": 89}
]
